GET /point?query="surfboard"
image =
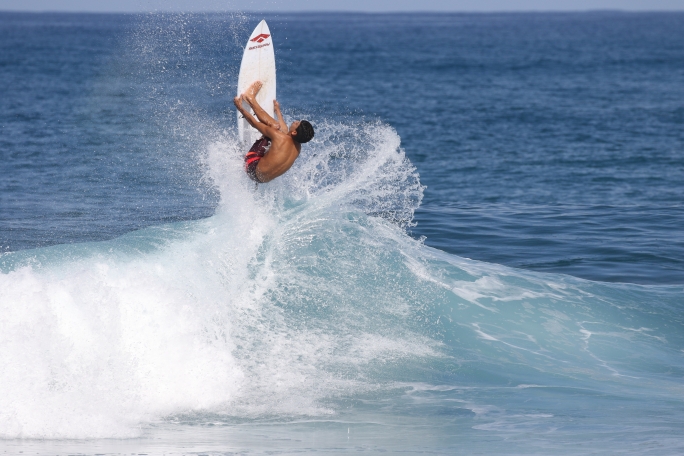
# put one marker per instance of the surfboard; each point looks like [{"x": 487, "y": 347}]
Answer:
[{"x": 258, "y": 64}]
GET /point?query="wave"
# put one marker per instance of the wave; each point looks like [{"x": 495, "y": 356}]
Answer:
[{"x": 298, "y": 294}]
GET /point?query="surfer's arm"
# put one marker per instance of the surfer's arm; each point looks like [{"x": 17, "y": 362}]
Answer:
[
  {"x": 281, "y": 121},
  {"x": 263, "y": 128},
  {"x": 262, "y": 115}
]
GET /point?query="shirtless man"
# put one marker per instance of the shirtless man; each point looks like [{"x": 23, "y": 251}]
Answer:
[{"x": 264, "y": 165}]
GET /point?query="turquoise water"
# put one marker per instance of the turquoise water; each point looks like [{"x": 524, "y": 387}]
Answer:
[{"x": 153, "y": 300}]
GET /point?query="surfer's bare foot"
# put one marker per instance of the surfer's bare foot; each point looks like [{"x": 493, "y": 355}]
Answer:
[
  {"x": 252, "y": 91},
  {"x": 238, "y": 102}
]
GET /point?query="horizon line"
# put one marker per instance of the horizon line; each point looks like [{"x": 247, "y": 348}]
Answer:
[{"x": 313, "y": 11}]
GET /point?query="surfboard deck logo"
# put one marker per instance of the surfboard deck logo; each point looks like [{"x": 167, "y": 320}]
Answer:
[{"x": 260, "y": 38}]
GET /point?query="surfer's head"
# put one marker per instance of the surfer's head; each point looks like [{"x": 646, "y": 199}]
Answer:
[{"x": 303, "y": 131}]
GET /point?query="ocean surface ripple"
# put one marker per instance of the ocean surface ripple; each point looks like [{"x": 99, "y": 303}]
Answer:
[{"x": 309, "y": 306}]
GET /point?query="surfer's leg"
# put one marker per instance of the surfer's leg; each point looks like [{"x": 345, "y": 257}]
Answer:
[
  {"x": 255, "y": 154},
  {"x": 251, "y": 169},
  {"x": 260, "y": 146}
]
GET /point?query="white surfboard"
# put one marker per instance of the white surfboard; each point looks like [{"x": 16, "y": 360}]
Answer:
[{"x": 258, "y": 64}]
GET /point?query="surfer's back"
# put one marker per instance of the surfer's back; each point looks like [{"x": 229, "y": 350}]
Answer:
[
  {"x": 285, "y": 148},
  {"x": 279, "y": 158}
]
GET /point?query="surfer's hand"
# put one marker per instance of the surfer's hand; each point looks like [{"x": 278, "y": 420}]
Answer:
[
  {"x": 276, "y": 105},
  {"x": 238, "y": 103}
]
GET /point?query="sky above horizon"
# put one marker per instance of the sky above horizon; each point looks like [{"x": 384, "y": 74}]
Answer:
[{"x": 338, "y": 5}]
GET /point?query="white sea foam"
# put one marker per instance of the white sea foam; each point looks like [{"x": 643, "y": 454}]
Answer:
[
  {"x": 218, "y": 315},
  {"x": 295, "y": 294}
]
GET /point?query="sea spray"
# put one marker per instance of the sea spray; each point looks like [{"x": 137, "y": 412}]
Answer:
[
  {"x": 220, "y": 314},
  {"x": 299, "y": 296}
]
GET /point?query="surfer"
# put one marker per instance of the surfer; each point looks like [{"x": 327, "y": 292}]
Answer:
[{"x": 262, "y": 163}]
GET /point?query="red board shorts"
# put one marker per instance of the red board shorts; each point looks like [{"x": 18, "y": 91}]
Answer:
[{"x": 255, "y": 154}]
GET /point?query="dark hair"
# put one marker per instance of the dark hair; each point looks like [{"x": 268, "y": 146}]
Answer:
[{"x": 304, "y": 131}]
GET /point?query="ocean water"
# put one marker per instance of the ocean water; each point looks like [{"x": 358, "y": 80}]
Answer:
[{"x": 480, "y": 252}]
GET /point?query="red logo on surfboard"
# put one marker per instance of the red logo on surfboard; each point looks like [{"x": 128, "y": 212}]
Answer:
[{"x": 260, "y": 38}]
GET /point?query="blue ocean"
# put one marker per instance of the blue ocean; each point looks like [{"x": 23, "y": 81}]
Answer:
[{"x": 480, "y": 252}]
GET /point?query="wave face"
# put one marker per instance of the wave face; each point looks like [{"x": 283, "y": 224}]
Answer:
[{"x": 306, "y": 298}]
